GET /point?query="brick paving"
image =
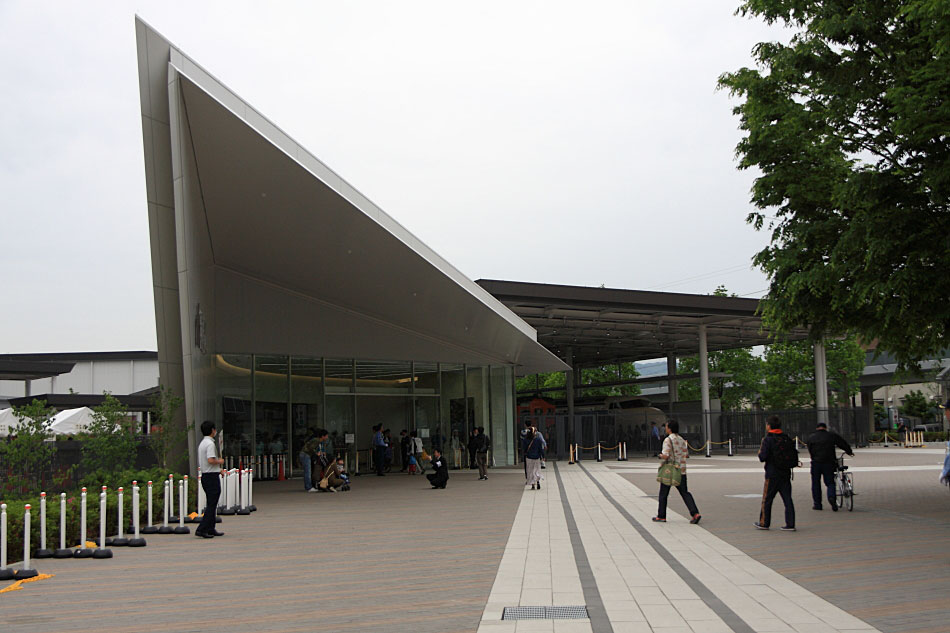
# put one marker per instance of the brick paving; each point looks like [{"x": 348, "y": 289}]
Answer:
[
  {"x": 887, "y": 563},
  {"x": 391, "y": 555}
]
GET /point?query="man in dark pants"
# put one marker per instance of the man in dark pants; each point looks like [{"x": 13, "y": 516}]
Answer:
[
  {"x": 379, "y": 449},
  {"x": 821, "y": 448},
  {"x": 210, "y": 465},
  {"x": 440, "y": 477},
  {"x": 481, "y": 453},
  {"x": 404, "y": 450},
  {"x": 775, "y": 452}
]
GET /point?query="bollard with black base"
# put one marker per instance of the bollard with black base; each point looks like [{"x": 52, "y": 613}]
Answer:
[
  {"x": 226, "y": 505},
  {"x": 121, "y": 540},
  {"x": 244, "y": 510},
  {"x": 250, "y": 490},
  {"x": 102, "y": 551},
  {"x": 150, "y": 528},
  {"x": 599, "y": 458},
  {"x": 166, "y": 529},
  {"x": 5, "y": 572},
  {"x": 62, "y": 551},
  {"x": 136, "y": 540},
  {"x": 43, "y": 552},
  {"x": 172, "y": 518},
  {"x": 25, "y": 570},
  {"x": 82, "y": 551},
  {"x": 181, "y": 529}
]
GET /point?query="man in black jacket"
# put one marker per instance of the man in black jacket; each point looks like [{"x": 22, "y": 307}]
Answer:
[
  {"x": 439, "y": 478},
  {"x": 821, "y": 447},
  {"x": 778, "y": 475}
]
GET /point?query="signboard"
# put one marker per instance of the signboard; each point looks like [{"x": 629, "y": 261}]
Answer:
[
  {"x": 423, "y": 432},
  {"x": 350, "y": 438}
]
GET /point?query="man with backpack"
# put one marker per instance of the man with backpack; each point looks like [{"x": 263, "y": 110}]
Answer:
[
  {"x": 821, "y": 448},
  {"x": 780, "y": 457}
]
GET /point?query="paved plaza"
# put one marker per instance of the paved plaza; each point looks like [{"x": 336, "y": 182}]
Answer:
[{"x": 394, "y": 555}]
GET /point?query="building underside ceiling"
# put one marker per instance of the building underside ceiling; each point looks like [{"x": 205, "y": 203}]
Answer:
[{"x": 604, "y": 325}]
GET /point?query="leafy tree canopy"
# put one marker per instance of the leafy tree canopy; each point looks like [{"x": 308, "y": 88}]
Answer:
[
  {"x": 111, "y": 443},
  {"x": 789, "y": 372},
  {"x": 26, "y": 455},
  {"x": 589, "y": 376},
  {"x": 849, "y": 127},
  {"x": 915, "y": 404}
]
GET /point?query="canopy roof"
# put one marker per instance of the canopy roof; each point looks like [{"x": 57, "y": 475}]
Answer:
[
  {"x": 71, "y": 421},
  {"x": 608, "y": 325}
]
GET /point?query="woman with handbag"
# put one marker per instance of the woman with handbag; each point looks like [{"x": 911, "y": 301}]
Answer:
[
  {"x": 534, "y": 453},
  {"x": 672, "y": 472}
]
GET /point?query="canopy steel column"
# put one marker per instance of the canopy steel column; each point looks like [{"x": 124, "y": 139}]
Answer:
[
  {"x": 671, "y": 384},
  {"x": 821, "y": 382},
  {"x": 569, "y": 392},
  {"x": 704, "y": 384}
]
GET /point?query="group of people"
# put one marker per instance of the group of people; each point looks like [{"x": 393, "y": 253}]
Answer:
[
  {"x": 780, "y": 457},
  {"x": 322, "y": 471}
]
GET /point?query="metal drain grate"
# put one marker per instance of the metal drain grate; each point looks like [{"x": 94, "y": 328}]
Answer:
[{"x": 545, "y": 613}]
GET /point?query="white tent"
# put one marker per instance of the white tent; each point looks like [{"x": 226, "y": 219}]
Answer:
[
  {"x": 70, "y": 421},
  {"x": 7, "y": 421}
]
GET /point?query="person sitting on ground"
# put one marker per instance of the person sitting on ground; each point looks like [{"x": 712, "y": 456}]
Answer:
[
  {"x": 332, "y": 476},
  {"x": 342, "y": 474},
  {"x": 439, "y": 478}
]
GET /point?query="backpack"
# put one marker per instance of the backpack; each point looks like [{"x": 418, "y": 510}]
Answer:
[{"x": 786, "y": 456}]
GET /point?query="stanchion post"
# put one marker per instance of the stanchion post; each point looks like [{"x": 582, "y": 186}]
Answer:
[
  {"x": 136, "y": 540},
  {"x": 101, "y": 551},
  {"x": 599, "y": 458},
  {"x": 62, "y": 551},
  {"x": 5, "y": 572},
  {"x": 731, "y": 454},
  {"x": 150, "y": 527},
  {"x": 121, "y": 540},
  {"x": 181, "y": 529},
  {"x": 166, "y": 529},
  {"x": 83, "y": 551},
  {"x": 184, "y": 506},
  {"x": 244, "y": 510},
  {"x": 25, "y": 570},
  {"x": 250, "y": 491},
  {"x": 202, "y": 500},
  {"x": 570, "y": 453},
  {"x": 43, "y": 552}
]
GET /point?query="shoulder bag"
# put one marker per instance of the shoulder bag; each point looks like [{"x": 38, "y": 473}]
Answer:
[{"x": 669, "y": 473}]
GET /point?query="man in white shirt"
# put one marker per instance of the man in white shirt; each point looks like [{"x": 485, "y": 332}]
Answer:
[{"x": 210, "y": 464}]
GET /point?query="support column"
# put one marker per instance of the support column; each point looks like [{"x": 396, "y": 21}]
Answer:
[
  {"x": 671, "y": 385},
  {"x": 821, "y": 382},
  {"x": 704, "y": 383},
  {"x": 867, "y": 401},
  {"x": 569, "y": 392}
]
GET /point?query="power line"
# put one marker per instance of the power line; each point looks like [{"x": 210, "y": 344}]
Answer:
[{"x": 705, "y": 275}]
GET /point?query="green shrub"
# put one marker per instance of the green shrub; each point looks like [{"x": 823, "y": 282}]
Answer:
[{"x": 110, "y": 444}]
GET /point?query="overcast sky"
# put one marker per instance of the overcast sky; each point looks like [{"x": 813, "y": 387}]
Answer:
[{"x": 560, "y": 142}]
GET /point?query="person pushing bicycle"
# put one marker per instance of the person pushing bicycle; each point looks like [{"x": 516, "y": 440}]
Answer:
[{"x": 821, "y": 448}]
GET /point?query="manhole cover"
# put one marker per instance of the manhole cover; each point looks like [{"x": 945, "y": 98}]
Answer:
[{"x": 545, "y": 613}]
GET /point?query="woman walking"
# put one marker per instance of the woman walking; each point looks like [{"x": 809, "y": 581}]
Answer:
[
  {"x": 676, "y": 450},
  {"x": 533, "y": 455}
]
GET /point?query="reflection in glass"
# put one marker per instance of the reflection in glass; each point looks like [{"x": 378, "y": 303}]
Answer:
[
  {"x": 271, "y": 394},
  {"x": 233, "y": 391},
  {"x": 306, "y": 389}
]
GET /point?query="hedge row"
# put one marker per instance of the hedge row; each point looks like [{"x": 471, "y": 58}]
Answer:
[{"x": 93, "y": 484}]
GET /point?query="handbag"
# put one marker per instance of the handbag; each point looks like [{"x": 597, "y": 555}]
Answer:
[{"x": 669, "y": 473}]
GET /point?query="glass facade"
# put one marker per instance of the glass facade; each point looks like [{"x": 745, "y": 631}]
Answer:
[{"x": 268, "y": 404}]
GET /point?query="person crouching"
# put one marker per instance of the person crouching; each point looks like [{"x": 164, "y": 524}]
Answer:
[{"x": 439, "y": 478}]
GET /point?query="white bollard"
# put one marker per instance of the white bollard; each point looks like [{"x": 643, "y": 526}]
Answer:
[
  {"x": 243, "y": 510},
  {"x": 250, "y": 491},
  {"x": 181, "y": 529},
  {"x": 136, "y": 540},
  {"x": 599, "y": 458},
  {"x": 83, "y": 551},
  {"x": 101, "y": 551},
  {"x": 172, "y": 518},
  {"x": 202, "y": 500},
  {"x": 5, "y": 572},
  {"x": 731, "y": 454},
  {"x": 188, "y": 519},
  {"x": 62, "y": 552},
  {"x": 233, "y": 498},
  {"x": 225, "y": 505},
  {"x": 120, "y": 540},
  {"x": 166, "y": 529},
  {"x": 150, "y": 527},
  {"x": 25, "y": 570},
  {"x": 43, "y": 552}
]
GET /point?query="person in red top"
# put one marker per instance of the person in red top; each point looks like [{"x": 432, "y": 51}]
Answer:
[{"x": 775, "y": 452}]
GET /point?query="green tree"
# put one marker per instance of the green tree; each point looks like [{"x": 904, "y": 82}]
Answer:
[
  {"x": 740, "y": 386},
  {"x": 163, "y": 436},
  {"x": 27, "y": 455},
  {"x": 789, "y": 372},
  {"x": 915, "y": 404},
  {"x": 589, "y": 376},
  {"x": 111, "y": 441},
  {"x": 847, "y": 125}
]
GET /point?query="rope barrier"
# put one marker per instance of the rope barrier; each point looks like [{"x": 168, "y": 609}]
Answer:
[
  {"x": 701, "y": 448},
  {"x": 18, "y": 585}
]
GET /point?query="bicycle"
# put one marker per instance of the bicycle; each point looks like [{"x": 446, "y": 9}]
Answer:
[{"x": 844, "y": 485}]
